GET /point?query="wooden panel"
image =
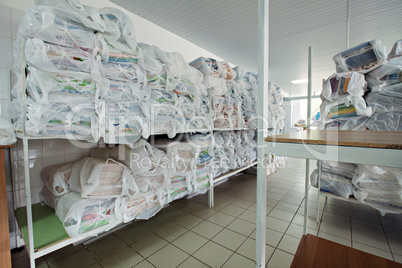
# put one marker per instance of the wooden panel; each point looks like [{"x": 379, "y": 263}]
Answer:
[
  {"x": 5, "y": 255},
  {"x": 370, "y": 139},
  {"x": 314, "y": 251}
]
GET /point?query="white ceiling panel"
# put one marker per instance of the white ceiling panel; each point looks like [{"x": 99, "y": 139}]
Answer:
[{"x": 228, "y": 29}]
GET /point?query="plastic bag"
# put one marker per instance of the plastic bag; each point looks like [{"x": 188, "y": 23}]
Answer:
[
  {"x": 123, "y": 90},
  {"x": 383, "y": 104},
  {"x": 179, "y": 185},
  {"x": 351, "y": 123},
  {"x": 216, "y": 84},
  {"x": 226, "y": 71},
  {"x": 125, "y": 72},
  {"x": 392, "y": 90},
  {"x": 56, "y": 178},
  {"x": 40, "y": 84},
  {"x": 180, "y": 154},
  {"x": 332, "y": 183},
  {"x": 99, "y": 178},
  {"x": 378, "y": 179},
  {"x": 207, "y": 66},
  {"x": 384, "y": 202},
  {"x": 141, "y": 158},
  {"x": 346, "y": 106},
  {"x": 352, "y": 83},
  {"x": 396, "y": 50},
  {"x": 86, "y": 217},
  {"x": 387, "y": 74},
  {"x": 338, "y": 168},
  {"x": 362, "y": 58},
  {"x": 58, "y": 59},
  {"x": 55, "y": 26},
  {"x": 109, "y": 53},
  {"x": 151, "y": 182},
  {"x": 391, "y": 121},
  {"x": 7, "y": 133}
]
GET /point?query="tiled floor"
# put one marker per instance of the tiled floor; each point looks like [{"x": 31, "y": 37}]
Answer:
[{"x": 190, "y": 234}]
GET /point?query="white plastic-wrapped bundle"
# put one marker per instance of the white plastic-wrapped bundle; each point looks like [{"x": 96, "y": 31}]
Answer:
[
  {"x": 40, "y": 84},
  {"x": 148, "y": 182},
  {"x": 378, "y": 179},
  {"x": 352, "y": 123},
  {"x": 226, "y": 71},
  {"x": 99, "y": 178},
  {"x": 216, "y": 84},
  {"x": 58, "y": 59},
  {"x": 119, "y": 32},
  {"x": 75, "y": 11},
  {"x": 125, "y": 72},
  {"x": 141, "y": 158},
  {"x": 179, "y": 185},
  {"x": 141, "y": 206},
  {"x": 73, "y": 118},
  {"x": 396, "y": 50},
  {"x": 384, "y": 202},
  {"x": 387, "y": 74},
  {"x": 56, "y": 178},
  {"x": 7, "y": 133},
  {"x": 362, "y": 58},
  {"x": 390, "y": 121},
  {"x": 383, "y": 104},
  {"x": 86, "y": 217},
  {"x": 207, "y": 66},
  {"x": 392, "y": 90},
  {"x": 332, "y": 183},
  {"x": 100, "y": 152},
  {"x": 338, "y": 168},
  {"x": 123, "y": 122},
  {"x": 351, "y": 83},
  {"x": 113, "y": 55},
  {"x": 123, "y": 90},
  {"x": 61, "y": 27},
  {"x": 180, "y": 154},
  {"x": 342, "y": 108}
]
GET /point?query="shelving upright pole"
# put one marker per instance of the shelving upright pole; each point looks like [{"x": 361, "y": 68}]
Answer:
[{"x": 262, "y": 113}]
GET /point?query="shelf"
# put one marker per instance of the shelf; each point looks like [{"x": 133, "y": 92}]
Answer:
[
  {"x": 22, "y": 136},
  {"x": 332, "y": 195},
  {"x": 232, "y": 172}
]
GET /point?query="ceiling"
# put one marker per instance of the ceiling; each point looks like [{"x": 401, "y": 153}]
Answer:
[{"x": 228, "y": 29}]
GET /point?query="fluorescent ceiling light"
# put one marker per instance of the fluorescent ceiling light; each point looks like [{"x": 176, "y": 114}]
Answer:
[{"x": 301, "y": 81}]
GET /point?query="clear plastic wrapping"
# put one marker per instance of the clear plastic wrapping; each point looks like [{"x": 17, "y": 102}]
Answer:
[
  {"x": 387, "y": 74},
  {"x": 391, "y": 121},
  {"x": 58, "y": 59},
  {"x": 226, "y": 71},
  {"x": 56, "y": 178},
  {"x": 384, "y": 202},
  {"x": 362, "y": 58},
  {"x": 396, "y": 50},
  {"x": 207, "y": 66},
  {"x": 338, "y": 168},
  {"x": 180, "y": 154},
  {"x": 332, "y": 183},
  {"x": 99, "y": 178},
  {"x": 344, "y": 107},
  {"x": 123, "y": 90},
  {"x": 352, "y": 123},
  {"x": 126, "y": 72},
  {"x": 179, "y": 185},
  {"x": 141, "y": 158},
  {"x": 378, "y": 179},
  {"x": 383, "y": 104},
  {"x": 352, "y": 83},
  {"x": 7, "y": 133}
]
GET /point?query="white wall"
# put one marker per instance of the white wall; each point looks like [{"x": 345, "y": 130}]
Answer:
[{"x": 146, "y": 31}]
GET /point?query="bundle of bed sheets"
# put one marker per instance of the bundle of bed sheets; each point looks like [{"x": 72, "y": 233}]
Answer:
[{"x": 364, "y": 94}]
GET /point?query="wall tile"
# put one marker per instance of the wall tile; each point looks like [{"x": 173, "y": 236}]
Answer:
[
  {"x": 34, "y": 149},
  {"x": 34, "y": 194},
  {"x": 6, "y": 57},
  {"x": 73, "y": 158},
  {"x": 54, "y": 147},
  {"x": 16, "y": 16},
  {"x": 51, "y": 161},
  {"x": 5, "y": 84},
  {"x": 36, "y": 166},
  {"x": 10, "y": 207},
  {"x": 8, "y": 176},
  {"x": 5, "y": 20},
  {"x": 73, "y": 147},
  {"x": 4, "y": 109}
]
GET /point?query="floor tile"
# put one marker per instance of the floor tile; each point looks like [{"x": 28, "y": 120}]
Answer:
[
  {"x": 277, "y": 190},
  {"x": 132, "y": 233},
  {"x": 95, "y": 265},
  {"x": 371, "y": 240},
  {"x": 229, "y": 239},
  {"x": 221, "y": 219},
  {"x": 398, "y": 258},
  {"x": 312, "y": 223},
  {"x": 241, "y": 203},
  {"x": 336, "y": 239},
  {"x": 289, "y": 244},
  {"x": 336, "y": 219},
  {"x": 238, "y": 261},
  {"x": 337, "y": 210},
  {"x": 80, "y": 258},
  {"x": 366, "y": 227},
  {"x": 249, "y": 216},
  {"x": 292, "y": 200},
  {"x": 188, "y": 221},
  {"x": 124, "y": 258},
  {"x": 274, "y": 196},
  {"x": 396, "y": 246},
  {"x": 242, "y": 227},
  {"x": 58, "y": 254},
  {"x": 203, "y": 213},
  {"x": 287, "y": 207},
  {"x": 144, "y": 264},
  {"x": 272, "y": 237},
  {"x": 169, "y": 256},
  {"x": 190, "y": 242},
  {"x": 108, "y": 245},
  {"x": 276, "y": 224},
  {"x": 296, "y": 231},
  {"x": 232, "y": 210},
  {"x": 374, "y": 251},
  {"x": 170, "y": 231},
  {"x": 148, "y": 245},
  {"x": 334, "y": 229},
  {"x": 213, "y": 254},
  {"x": 192, "y": 263},
  {"x": 387, "y": 222},
  {"x": 207, "y": 229},
  {"x": 280, "y": 259},
  {"x": 393, "y": 233},
  {"x": 248, "y": 250}
]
